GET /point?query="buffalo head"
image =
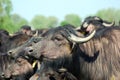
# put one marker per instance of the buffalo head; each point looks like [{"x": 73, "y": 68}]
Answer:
[
  {"x": 19, "y": 51},
  {"x": 94, "y": 23},
  {"x": 57, "y": 42}
]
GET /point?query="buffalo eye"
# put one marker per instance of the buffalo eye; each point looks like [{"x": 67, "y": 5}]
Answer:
[{"x": 58, "y": 38}]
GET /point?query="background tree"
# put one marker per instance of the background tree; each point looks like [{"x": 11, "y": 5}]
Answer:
[
  {"x": 72, "y": 19},
  {"x": 12, "y": 22},
  {"x": 5, "y": 7},
  {"x": 5, "y": 21},
  {"x": 109, "y": 14},
  {"x": 18, "y": 21},
  {"x": 52, "y": 21},
  {"x": 40, "y": 21}
]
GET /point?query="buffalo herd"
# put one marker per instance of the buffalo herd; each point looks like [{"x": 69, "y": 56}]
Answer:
[{"x": 88, "y": 52}]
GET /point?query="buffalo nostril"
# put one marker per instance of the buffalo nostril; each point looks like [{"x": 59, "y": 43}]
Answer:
[
  {"x": 10, "y": 53},
  {"x": 31, "y": 50},
  {"x": 2, "y": 75}
]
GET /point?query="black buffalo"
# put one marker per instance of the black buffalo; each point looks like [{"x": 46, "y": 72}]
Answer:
[
  {"x": 20, "y": 69},
  {"x": 56, "y": 45},
  {"x": 16, "y": 71},
  {"x": 23, "y": 67},
  {"x": 93, "y": 22},
  {"x": 96, "y": 59},
  {"x": 8, "y": 42},
  {"x": 19, "y": 51}
]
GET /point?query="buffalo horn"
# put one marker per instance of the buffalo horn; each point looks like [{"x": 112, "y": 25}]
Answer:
[
  {"x": 78, "y": 28},
  {"x": 79, "y": 39},
  {"x": 108, "y": 24}
]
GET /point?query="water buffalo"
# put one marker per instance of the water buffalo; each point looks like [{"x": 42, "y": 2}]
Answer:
[
  {"x": 61, "y": 40},
  {"x": 20, "y": 69},
  {"x": 93, "y": 22},
  {"x": 95, "y": 59},
  {"x": 19, "y": 51},
  {"x": 50, "y": 74},
  {"x": 8, "y": 42}
]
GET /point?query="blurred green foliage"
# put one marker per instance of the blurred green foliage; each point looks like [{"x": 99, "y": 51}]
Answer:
[
  {"x": 40, "y": 21},
  {"x": 8, "y": 21},
  {"x": 73, "y": 19},
  {"x": 109, "y": 14},
  {"x": 5, "y": 9},
  {"x": 13, "y": 22},
  {"x": 18, "y": 21}
]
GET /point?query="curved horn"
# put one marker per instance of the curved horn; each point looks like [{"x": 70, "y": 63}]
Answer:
[
  {"x": 11, "y": 34},
  {"x": 108, "y": 24},
  {"x": 36, "y": 34},
  {"x": 80, "y": 40},
  {"x": 78, "y": 28}
]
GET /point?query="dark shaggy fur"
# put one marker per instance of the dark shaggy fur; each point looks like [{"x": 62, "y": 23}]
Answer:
[{"x": 96, "y": 59}]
